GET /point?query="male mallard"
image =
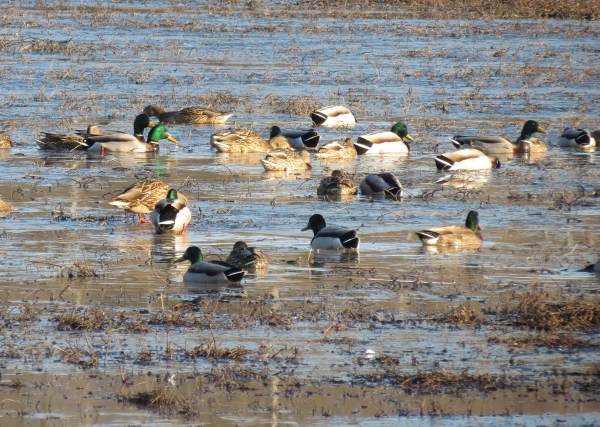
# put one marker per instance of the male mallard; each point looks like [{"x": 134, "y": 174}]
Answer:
[
  {"x": 381, "y": 184},
  {"x": 581, "y": 138},
  {"x": 69, "y": 141},
  {"x": 5, "y": 141},
  {"x": 337, "y": 150},
  {"x": 593, "y": 268},
  {"x": 385, "y": 142},
  {"x": 208, "y": 271},
  {"x": 454, "y": 235},
  {"x": 330, "y": 237},
  {"x": 338, "y": 184},
  {"x": 286, "y": 160},
  {"x": 246, "y": 257},
  {"x": 466, "y": 159},
  {"x": 335, "y": 115},
  {"x": 190, "y": 115},
  {"x": 142, "y": 197},
  {"x": 171, "y": 215},
  {"x": 499, "y": 145},
  {"x": 85, "y": 141},
  {"x": 5, "y": 206},
  {"x": 301, "y": 139},
  {"x": 130, "y": 143}
]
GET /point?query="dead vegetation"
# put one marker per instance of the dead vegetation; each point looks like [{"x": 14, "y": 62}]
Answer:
[
  {"x": 82, "y": 318},
  {"x": 211, "y": 350},
  {"x": 545, "y": 340},
  {"x": 162, "y": 400},
  {"x": 536, "y": 310}
]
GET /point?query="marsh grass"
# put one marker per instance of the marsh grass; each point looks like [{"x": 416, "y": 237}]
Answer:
[{"x": 533, "y": 310}]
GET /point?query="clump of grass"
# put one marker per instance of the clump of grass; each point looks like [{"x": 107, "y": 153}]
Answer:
[
  {"x": 211, "y": 350},
  {"x": 161, "y": 399},
  {"x": 94, "y": 318},
  {"x": 458, "y": 316},
  {"x": 531, "y": 310}
]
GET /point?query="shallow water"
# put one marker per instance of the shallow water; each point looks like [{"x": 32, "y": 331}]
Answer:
[{"x": 539, "y": 214}]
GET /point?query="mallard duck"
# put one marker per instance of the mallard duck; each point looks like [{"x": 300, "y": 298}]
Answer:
[
  {"x": 381, "y": 184},
  {"x": 69, "y": 141},
  {"x": 246, "y": 257},
  {"x": 5, "y": 141},
  {"x": 301, "y": 139},
  {"x": 190, "y": 115},
  {"x": 208, "y": 271},
  {"x": 171, "y": 215},
  {"x": 335, "y": 115},
  {"x": 337, "y": 151},
  {"x": 130, "y": 143},
  {"x": 499, "y": 145},
  {"x": 338, "y": 184},
  {"x": 85, "y": 141},
  {"x": 248, "y": 141},
  {"x": 142, "y": 197},
  {"x": 454, "y": 235},
  {"x": 593, "y": 268},
  {"x": 385, "y": 142},
  {"x": 330, "y": 237},
  {"x": 286, "y": 160},
  {"x": 466, "y": 159},
  {"x": 5, "y": 206},
  {"x": 581, "y": 138}
]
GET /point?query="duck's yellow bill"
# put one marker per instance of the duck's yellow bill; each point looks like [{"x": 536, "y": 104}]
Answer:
[
  {"x": 410, "y": 138},
  {"x": 173, "y": 140},
  {"x": 151, "y": 124},
  {"x": 541, "y": 130},
  {"x": 180, "y": 259}
]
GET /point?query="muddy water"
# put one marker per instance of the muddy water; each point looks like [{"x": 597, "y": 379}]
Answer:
[{"x": 539, "y": 216}]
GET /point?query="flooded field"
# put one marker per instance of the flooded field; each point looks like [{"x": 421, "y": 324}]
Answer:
[{"x": 98, "y": 326}]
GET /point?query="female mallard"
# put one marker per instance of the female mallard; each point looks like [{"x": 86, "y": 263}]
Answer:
[
  {"x": 208, "y": 271},
  {"x": 171, "y": 215},
  {"x": 385, "y": 142},
  {"x": 454, "y": 235},
  {"x": 5, "y": 206},
  {"x": 381, "y": 184},
  {"x": 130, "y": 143},
  {"x": 246, "y": 257},
  {"x": 337, "y": 151},
  {"x": 5, "y": 141},
  {"x": 286, "y": 160},
  {"x": 499, "y": 145},
  {"x": 69, "y": 141},
  {"x": 466, "y": 159},
  {"x": 581, "y": 138},
  {"x": 302, "y": 139},
  {"x": 142, "y": 197},
  {"x": 330, "y": 237},
  {"x": 248, "y": 141},
  {"x": 190, "y": 115},
  {"x": 335, "y": 115},
  {"x": 338, "y": 184}
]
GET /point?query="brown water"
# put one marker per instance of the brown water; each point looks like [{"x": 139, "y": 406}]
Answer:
[{"x": 539, "y": 216}]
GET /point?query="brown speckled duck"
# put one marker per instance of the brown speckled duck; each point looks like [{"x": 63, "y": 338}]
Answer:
[{"x": 190, "y": 115}]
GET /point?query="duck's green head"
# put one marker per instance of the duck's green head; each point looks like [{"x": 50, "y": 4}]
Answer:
[
  {"x": 192, "y": 254},
  {"x": 159, "y": 132},
  {"x": 473, "y": 221},
  {"x": 315, "y": 223},
  {"x": 275, "y": 131},
  {"x": 140, "y": 123},
  {"x": 172, "y": 194},
  {"x": 401, "y": 130},
  {"x": 529, "y": 128}
]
